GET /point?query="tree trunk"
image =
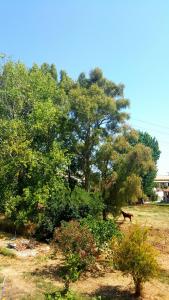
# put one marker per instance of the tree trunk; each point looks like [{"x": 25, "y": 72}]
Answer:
[
  {"x": 105, "y": 214},
  {"x": 87, "y": 159},
  {"x": 138, "y": 288},
  {"x": 87, "y": 178},
  {"x": 66, "y": 286},
  {"x": 87, "y": 169}
]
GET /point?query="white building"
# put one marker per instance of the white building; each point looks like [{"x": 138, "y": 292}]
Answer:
[{"x": 162, "y": 189}]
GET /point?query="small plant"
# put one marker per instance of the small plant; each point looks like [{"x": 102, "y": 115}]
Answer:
[
  {"x": 53, "y": 296},
  {"x": 74, "y": 266},
  {"x": 68, "y": 296},
  {"x": 135, "y": 256},
  {"x": 78, "y": 246},
  {"x": 7, "y": 252}
]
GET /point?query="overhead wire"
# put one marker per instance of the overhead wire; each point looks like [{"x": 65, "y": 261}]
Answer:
[
  {"x": 151, "y": 123},
  {"x": 155, "y": 131}
]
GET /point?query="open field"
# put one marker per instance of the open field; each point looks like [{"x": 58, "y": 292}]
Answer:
[{"x": 30, "y": 277}]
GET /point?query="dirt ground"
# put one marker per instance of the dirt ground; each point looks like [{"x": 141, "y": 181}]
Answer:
[{"x": 29, "y": 277}]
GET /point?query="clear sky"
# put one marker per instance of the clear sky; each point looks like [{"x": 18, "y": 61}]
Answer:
[{"x": 127, "y": 39}]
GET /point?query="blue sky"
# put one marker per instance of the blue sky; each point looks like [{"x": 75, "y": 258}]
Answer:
[{"x": 127, "y": 39}]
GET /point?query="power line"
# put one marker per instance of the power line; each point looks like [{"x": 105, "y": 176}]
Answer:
[
  {"x": 150, "y": 123},
  {"x": 155, "y": 130},
  {"x": 156, "y": 133}
]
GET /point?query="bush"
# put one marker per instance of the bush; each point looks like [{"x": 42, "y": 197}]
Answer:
[
  {"x": 85, "y": 203},
  {"x": 7, "y": 252},
  {"x": 52, "y": 198},
  {"x": 135, "y": 256},
  {"x": 74, "y": 238},
  {"x": 78, "y": 246},
  {"x": 68, "y": 296},
  {"x": 154, "y": 197},
  {"x": 65, "y": 206},
  {"x": 102, "y": 230},
  {"x": 49, "y": 205},
  {"x": 56, "y": 209}
]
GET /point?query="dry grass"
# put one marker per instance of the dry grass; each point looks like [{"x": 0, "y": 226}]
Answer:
[
  {"x": 151, "y": 215},
  {"x": 30, "y": 278}
]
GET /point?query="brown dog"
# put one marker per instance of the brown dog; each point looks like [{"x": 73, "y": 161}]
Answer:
[{"x": 126, "y": 215}]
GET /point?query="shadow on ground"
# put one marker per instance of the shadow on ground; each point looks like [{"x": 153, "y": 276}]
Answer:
[
  {"x": 120, "y": 222},
  {"x": 50, "y": 272},
  {"x": 113, "y": 292}
]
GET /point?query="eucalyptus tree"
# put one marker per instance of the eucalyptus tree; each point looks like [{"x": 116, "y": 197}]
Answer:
[{"x": 96, "y": 112}]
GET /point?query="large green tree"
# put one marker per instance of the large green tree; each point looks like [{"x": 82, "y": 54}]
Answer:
[
  {"x": 56, "y": 133},
  {"x": 32, "y": 160},
  {"x": 123, "y": 163},
  {"x": 148, "y": 180},
  {"x": 97, "y": 110}
]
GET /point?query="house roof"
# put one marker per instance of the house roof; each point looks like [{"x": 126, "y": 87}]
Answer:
[{"x": 162, "y": 178}]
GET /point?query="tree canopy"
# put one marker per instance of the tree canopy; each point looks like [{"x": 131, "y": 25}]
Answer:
[
  {"x": 148, "y": 179},
  {"x": 59, "y": 136}
]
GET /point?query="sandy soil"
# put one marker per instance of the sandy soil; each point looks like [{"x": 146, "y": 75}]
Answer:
[{"x": 29, "y": 277}]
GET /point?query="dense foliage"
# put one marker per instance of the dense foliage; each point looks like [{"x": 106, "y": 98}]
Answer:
[
  {"x": 148, "y": 179},
  {"x": 67, "y": 205},
  {"x": 102, "y": 231},
  {"x": 65, "y": 148}
]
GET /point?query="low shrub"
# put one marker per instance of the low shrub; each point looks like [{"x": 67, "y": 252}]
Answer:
[
  {"x": 135, "y": 256},
  {"x": 74, "y": 238},
  {"x": 78, "y": 246},
  {"x": 7, "y": 252},
  {"x": 102, "y": 230},
  {"x": 68, "y": 296}
]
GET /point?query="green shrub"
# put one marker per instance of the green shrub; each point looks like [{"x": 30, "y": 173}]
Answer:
[
  {"x": 56, "y": 209},
  {"x": 85, "y": 203},
  {"x": 102, "y": 230},
  {"x": 49, "y": 203},
  {"x": 68, "y": 296},
  {"x": 154, "y": 197},
  {"x": 52, "y": 197},
  {"x": 78, "y": 246},
  {"x": 65, "y": 206},
  {"x": 7, "y": 252},
  {"x": 135, "y": 256}
]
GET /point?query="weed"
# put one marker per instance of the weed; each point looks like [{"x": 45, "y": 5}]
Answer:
[
  {"x": 6, "y": 252},
  {"x": 164, "y": 276}
]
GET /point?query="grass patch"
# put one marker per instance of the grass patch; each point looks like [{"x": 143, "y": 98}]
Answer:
[
  {"x": 150, "y": 215},
  {"x": 35, "y": 297},
  {"x": 1, "y": 279},
  {"x": 42, "y": 284},
  {"x": 161, "y": 204},
  {"x": 6, "y": 252},
  {"x": 164, "y": 276}
]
